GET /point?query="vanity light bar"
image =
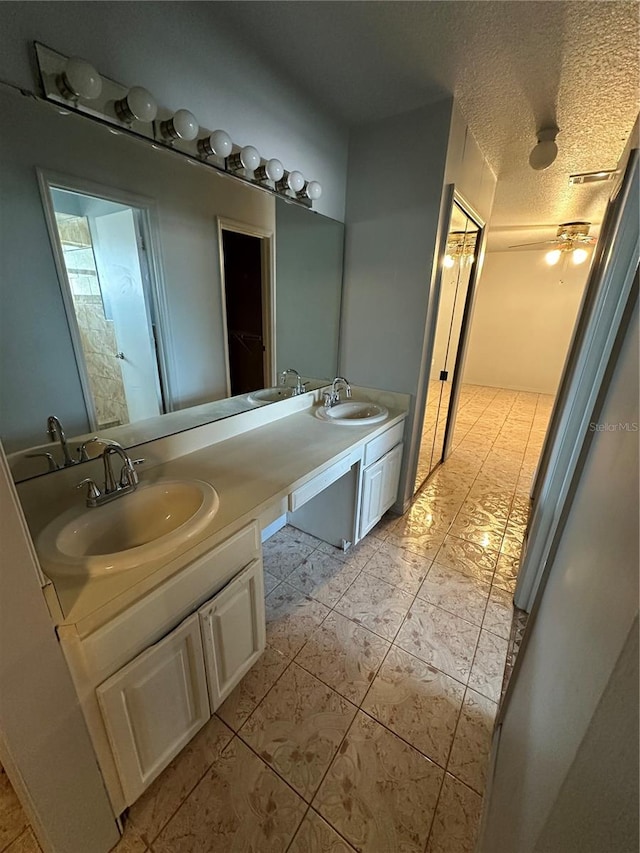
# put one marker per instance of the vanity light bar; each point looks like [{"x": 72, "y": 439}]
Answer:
[{"x": 79, "y": 87}]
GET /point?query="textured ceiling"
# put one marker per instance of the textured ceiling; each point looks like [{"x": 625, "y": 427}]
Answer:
[{"x": 512, "y": 66}]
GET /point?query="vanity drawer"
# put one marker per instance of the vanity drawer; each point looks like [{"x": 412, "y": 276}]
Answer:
[
  {"x": 118, "y": 642},
  {"x": 300, "y": 496},
  {"x": 377, "y": 448}
]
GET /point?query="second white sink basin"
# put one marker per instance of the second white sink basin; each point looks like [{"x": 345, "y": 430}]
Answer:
[
  {"x": 353, "y": 413},
  {"x": 270, "y": 395},
  {"x": 156, "y": 520}
]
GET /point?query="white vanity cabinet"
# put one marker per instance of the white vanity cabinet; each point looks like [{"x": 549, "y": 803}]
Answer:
[
  {"x": 154, "y": 706},
  {"x": 151, "y": 677},
  {"x": 379, "y": 489},
  {"x": 233, "y": 632}
]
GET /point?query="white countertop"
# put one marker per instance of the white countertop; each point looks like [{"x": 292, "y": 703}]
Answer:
[{"x": 251, "y": 472}]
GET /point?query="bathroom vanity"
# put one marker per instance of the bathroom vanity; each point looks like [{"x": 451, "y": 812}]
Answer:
[{"x": 156, "y": 648}]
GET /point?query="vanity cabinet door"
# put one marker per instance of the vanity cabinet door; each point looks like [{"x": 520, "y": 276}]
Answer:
[
  {"x": 233, "y": 632},
  {"x": 379, "y": 488},
  {"x": 154, "y": 705}
]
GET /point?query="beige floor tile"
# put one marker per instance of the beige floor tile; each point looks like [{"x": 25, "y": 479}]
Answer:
[
  {"x": 481, "y": 528},
  {"x": 439, "y": 638},
  {"x": 417, "y": 702},
  {"x": 488, "y": 665},
  {"x": 499, "y": 613},
  {"x": 300, "y": 536},
  {"x": 240, "y": 806},
  {"x": 25, "y": 843},
  {"x": 13, "y": 820},
  {"x": 344, "y": 655},
  {"x": 316, "y": 836},
  {"x": 506, "y": 572},
  {"x": 283, "y": 553},
  {"x": 399, "y": 567},
  {"x": 358, "y": 555},
  {"x": 159, "y": 802},
  {"x": 379, "y": 792},
  {"x": 291, "y": 618},
  {"x": 457, "y": 821},
  {"x": 243, "y": 700},
  {"x": 460, "y": 594},
  {"x": 323, "y": 577},
  {"x": 384, "y": 527},
  {"x": 130, "y": 842},
  {"x": 375, "y": 604},
  {"x": 512, "y": 544},
  {"x": 298, "y": 727},
  {"x": 468, "y": 558},
  {"x": 472, "y": 744},
  {"x": 413, "y": 538},
  {"x": 270, "y": 582}
]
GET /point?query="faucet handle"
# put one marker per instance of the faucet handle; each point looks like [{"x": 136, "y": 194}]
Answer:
[
  {"x": 128, "y": 476},
  {"x": 93, "y": 492},
  {"x": 53, "y": 465}
]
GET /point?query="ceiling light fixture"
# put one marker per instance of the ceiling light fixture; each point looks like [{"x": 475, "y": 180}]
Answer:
[
  {"x": 545, "y": 151},
  {"x": 553, "y": 257}
]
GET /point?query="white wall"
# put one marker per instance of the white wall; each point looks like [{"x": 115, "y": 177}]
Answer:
[
  {"x": 560, "y": 723},
  {"x": 522, "y": 321},
  {"x": 185, "y": 54},
  {"x": 44, "y": 744},
  {"x": 38, "y": 374}
]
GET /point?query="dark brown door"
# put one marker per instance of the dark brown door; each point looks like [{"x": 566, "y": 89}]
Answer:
[{"x": 243, "y": 295}]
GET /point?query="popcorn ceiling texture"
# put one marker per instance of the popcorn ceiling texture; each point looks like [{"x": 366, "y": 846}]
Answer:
[{"x": 512, "y": 66}]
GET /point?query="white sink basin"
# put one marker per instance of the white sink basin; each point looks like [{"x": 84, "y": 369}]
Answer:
[
  {"x": 352, "y": 413},
  {"x": 270, "y": 395},
  {"x": 156, "y": 520}
]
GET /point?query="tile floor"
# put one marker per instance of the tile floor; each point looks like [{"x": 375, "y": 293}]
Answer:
[{"x": 366, "y": 724}]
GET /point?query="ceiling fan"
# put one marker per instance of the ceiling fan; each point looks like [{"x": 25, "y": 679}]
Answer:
[{"x": 571, "y": 237}]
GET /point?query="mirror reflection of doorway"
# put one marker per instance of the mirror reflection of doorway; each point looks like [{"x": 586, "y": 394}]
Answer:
[
  {"x": 248, "y": 308},
  {"x": 107, "y": 295},
  {"x": 457, "y": 272}
]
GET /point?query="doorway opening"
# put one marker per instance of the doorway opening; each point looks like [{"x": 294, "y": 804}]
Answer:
[
  {"x": 248, "y": 300},
  {"x": 101, "y": 251}
]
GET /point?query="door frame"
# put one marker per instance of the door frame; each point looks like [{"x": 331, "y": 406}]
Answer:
[
  {"x": 48, "y": 180},
  {"x": 268, "y": 276},
  {"x": 450, "y": 195},
  {"x": 601, "y": 322}
]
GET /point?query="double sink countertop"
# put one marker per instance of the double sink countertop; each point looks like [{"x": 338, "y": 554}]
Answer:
[{"x": 253, "y": 472}]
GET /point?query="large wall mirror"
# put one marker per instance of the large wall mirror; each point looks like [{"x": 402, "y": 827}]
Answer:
[{"x": 142, "y": 293}]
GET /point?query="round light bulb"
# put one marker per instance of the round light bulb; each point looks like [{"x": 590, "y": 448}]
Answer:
[
  {"x": 138, "y": 105},
  {"x": 553, "y": 257},
  {"x": 543, "y": 155},
  {"x": 295, "y": 181},
  {"x": 185, "y": 125},
  {"x": 448, "y": 261},
  {"x": 221, "y": 144},
  {"x": 314, "y": 190},
  {"x": 274, "y": 170},
  {"x": 250, "y": 157},
  {"x": 80, "y": 80},
  {"x": 579, "y": 256}
]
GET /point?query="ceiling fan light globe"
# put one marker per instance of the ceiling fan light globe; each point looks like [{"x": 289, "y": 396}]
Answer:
[
  {"x": 553, "y": 257},
  {"x": 579, "y": 256}
]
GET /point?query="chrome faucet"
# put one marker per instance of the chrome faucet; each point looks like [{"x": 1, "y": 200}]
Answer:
[
  {"x": 299, "y": 387},
  {"x": 54, "y": 428},
  {"x": 332, "y": 397},
  {"x": 113, "y": 488}
]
